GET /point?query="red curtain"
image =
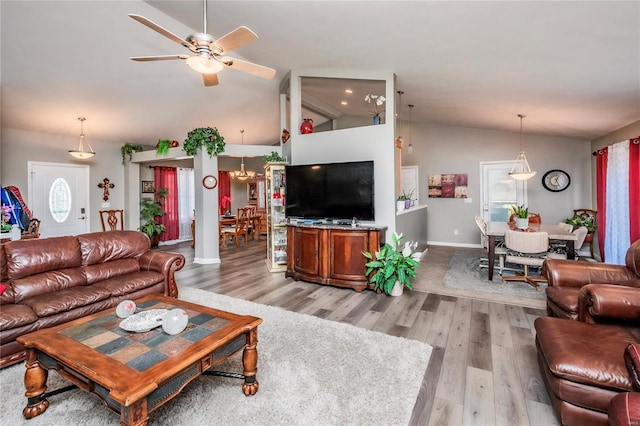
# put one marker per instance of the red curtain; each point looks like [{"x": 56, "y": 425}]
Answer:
[
  {"x": 634, "y": 189},
  {"x": 601, "y": 198},
  {"x": 167, "y": 177},
  {"x": 224, "y": 190}
]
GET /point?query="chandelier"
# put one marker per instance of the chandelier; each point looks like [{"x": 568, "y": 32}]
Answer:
[
  {"x": 242, "y": 174},
  {"x": 520, "y": 169},
  {"x": 81, "y": 153}
]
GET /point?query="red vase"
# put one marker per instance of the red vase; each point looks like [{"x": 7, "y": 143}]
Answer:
[{"x": 306, "y": 126}]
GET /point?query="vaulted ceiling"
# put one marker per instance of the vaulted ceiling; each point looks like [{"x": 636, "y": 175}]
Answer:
[{"x": 572, "y": 67}]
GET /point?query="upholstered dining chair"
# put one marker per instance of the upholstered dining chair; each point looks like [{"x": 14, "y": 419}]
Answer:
[
  {"x": 526, "y": 249},
  {"x": 500, "y": 250},
  {"x": 589, "y": 238},
  {"x": 112, "y": 220}
]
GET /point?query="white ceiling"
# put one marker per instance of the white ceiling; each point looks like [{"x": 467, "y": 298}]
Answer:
[{"x": 572, "y": 67}]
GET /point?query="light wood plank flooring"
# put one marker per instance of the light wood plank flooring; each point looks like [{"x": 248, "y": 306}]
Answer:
[{"x": 483, "y": 368}]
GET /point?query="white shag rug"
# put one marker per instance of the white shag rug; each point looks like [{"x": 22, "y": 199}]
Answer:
[{"x": 311, "y": 371}]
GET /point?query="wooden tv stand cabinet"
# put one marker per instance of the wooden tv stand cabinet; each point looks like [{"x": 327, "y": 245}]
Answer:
[{"x": 331, "y": 254}]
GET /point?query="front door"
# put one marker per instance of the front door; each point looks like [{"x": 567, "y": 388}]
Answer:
[
  {"x": 58, "y": 196},
  {"x": 499, "y": 191}
]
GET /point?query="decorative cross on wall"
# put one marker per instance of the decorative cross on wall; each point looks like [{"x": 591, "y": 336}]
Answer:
[{"x": 106, "y": 185}]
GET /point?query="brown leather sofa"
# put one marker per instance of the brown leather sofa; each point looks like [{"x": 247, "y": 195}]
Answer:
[
  {"x": 566, "y": 277},
  {"x": 55, "y": 280},
  {"x": 624, "y": 408},
  {"x": 582, "y": 361}
]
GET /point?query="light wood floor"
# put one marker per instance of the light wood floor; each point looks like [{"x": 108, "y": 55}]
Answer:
[{"x": 483, "y": 369}]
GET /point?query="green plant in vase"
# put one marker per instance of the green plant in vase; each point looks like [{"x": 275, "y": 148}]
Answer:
[
  {"x": 208, "y": 137},
  {"x": 520, "y": 211},
  {"x": 150, "y": 208},
  {"x": 274, "y": 157},
  {"x": 393, "y": 263},
  {"x": 128, "y": 149},
  {"x": 162, "y": 148}
]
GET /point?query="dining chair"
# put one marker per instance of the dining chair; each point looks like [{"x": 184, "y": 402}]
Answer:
[
  {"x": 526, "y": 249},
  {"x": 253, "y": 220},
  {"x": 500, "y": 250},
  {"x": 589, "y": 238},
  {"x": 559, "y": 250},
  {"x": 238, "y": 229},
  {"x": 114, "y": 220}
]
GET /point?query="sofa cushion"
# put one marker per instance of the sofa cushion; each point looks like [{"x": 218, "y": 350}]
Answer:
[
  {"x": 47, "y": 282},
  {"x": 66, "y": 300},
  {"x": 632, "y": 359},
  {"x": 565, "y": 297},
  {"x": 114, "y": 268},
  {"x": 12, "y": 316},
  {"x": 30, "y": 257},
  {"x": 101, "y": 247},
  {"x": 589, "y": 354},
  {"x": 130, "y": 283}
]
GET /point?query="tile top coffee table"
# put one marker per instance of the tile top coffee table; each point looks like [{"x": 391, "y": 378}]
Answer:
[{"x": 136, "y": 373}]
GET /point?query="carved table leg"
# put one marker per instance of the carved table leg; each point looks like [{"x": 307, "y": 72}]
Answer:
[
  {"x": 135, "y": 415},
  {"x": 35, "y": 382},
  {"x": 249, "y": 363}
]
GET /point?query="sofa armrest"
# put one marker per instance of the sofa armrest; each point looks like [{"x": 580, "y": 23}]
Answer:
[
  {"x": 571, "y": 273},
  {"x": 167, "y": 264},
  {"x": 607, "y": 303},
  {"x": 632, "y": 360}
]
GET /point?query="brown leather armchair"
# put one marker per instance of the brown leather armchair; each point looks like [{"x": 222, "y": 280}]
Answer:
[
  {"x": 565, "y": 278},
  {"x": 624, "y": 409}
]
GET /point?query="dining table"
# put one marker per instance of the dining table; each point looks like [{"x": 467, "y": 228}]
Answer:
[{"x": 495, "y": 230}]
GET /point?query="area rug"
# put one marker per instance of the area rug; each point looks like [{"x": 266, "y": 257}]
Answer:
[
  {"x": 464, "y": 273},
  {"x": 311, "y": 371}
]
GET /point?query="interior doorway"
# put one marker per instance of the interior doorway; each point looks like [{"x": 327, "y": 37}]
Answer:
[
  {"x": 499, "y": 191},
  {"x": 58, "y": 196}
]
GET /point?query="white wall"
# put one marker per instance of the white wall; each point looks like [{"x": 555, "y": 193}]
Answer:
[{"x": 447, "y": 149}]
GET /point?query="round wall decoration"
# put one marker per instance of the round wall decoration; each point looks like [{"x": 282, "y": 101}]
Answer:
[
  {"x": 556, "y": 180},
  {"x": 209, "y": 182}
]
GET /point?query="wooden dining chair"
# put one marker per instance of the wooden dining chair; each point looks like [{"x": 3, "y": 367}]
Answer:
[
  {"x": 113, "y": 219},
  {"x": 238, "y": 229},
  {"x": 526, "y": 249}
]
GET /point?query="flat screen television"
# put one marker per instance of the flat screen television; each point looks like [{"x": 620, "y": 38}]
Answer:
[{"x": 330, "y": 191}]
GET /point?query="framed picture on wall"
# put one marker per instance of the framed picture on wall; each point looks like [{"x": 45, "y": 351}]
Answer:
[
  {"x": 252, "y": 193},
  {"x": 147, "y": 186}
]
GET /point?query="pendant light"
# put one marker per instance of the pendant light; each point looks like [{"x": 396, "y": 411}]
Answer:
[
  {"x": 410, "y": 149},
  {"x": 242, "y": 174},
  {"x": 399, "y": 119},
  {"x": 81, "y": 153},
  {"x": 520, "y": 169}
]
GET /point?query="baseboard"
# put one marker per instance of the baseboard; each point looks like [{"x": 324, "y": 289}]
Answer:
[{"x": 449, "y": 244}]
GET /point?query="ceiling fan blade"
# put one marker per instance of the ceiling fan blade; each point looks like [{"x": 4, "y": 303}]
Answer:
[
  {"x": 158, "y": 58},
  {"x": 236, "y": 39},
  {"x": 249, "y": 67},
  {"x": 166, "y": 33},
  {"x": 210, "y": 79}
]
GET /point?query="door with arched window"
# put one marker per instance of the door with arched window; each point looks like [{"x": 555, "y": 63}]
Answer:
[{"x": 58, "y": 196}]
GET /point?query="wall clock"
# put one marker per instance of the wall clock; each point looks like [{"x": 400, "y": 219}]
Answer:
[
  {"x": 209, "y": 182},
  {"x": 556, "y": 180}
]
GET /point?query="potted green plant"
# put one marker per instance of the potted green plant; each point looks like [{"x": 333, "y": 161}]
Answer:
[
  {"x": 204, "y": 136},
  {"x": 582, "y": 220},
  {"x": 162, "y": 148},
  {"x": 393, "y": 266},
  {"x": 522, "y": 216},
  {"x": 150, "y": 208},
  {"x": 128, "y": 149},
  {"x": 274, "y": 157}
]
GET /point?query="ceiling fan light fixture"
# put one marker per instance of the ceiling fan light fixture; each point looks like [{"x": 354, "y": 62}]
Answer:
[
  {"x": 204, "y": 64},
  {"x": 521, "y": 169},
  {"x": 81, "y": 153}
]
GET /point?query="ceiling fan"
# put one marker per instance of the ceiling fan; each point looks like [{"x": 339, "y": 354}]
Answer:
[{"x": 207, "y": 52}]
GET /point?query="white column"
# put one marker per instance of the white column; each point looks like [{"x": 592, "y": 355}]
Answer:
[{"x": 207, "y": 210}]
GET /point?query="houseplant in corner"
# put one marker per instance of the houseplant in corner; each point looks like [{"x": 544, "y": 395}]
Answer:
[
  {"x": 204, "y": 136},
  {"x": 393, "y": 266},
  {"x": 150, "y": 208},
  {"x": 522, "y": 216}
]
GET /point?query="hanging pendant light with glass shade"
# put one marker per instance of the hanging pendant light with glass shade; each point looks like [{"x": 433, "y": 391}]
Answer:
[
  {"x": 410, "y": 149},
  {"x": 81, "y": 153},
  {"x": 242, "y": 174},
  {"x": 520, "y": 169}
]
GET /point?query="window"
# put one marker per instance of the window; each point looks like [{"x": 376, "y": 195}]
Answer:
[{"x": 60, "y": 200}]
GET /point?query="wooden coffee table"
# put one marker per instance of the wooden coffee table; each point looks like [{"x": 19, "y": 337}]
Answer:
[{"x": 136, "y": 373}]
